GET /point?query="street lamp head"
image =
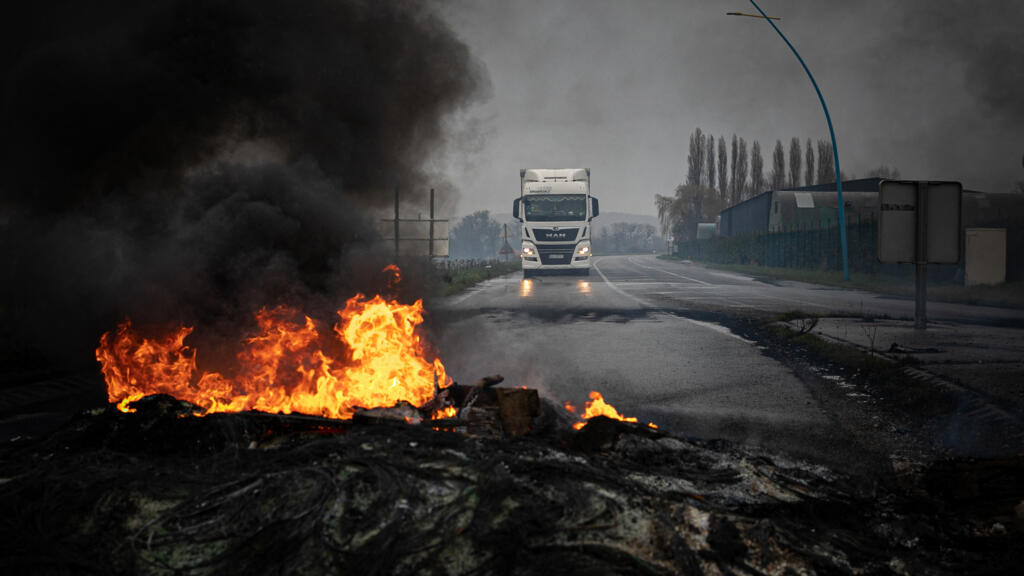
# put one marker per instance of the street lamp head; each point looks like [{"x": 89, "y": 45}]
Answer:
[{"x": 752, "y": 15}]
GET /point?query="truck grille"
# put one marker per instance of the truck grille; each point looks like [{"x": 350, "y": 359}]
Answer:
[
  {"x": 561, "y": 235},
  {"x": 555, "y": 254}
]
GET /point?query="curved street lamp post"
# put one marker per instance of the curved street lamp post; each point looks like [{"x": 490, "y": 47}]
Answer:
[{"x": 831, "y": 132}]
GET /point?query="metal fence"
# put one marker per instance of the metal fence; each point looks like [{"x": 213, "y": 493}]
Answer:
[
  {"x": 806, "y": 246},
  {"x": 451, "y": 265}
]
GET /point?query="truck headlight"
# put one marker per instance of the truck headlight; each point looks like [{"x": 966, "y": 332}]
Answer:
[
  {"x": 527, "y": 251},
  {"x": 583, "y": 251}
]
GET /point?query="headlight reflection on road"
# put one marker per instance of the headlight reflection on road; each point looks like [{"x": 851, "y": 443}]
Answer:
[
  {"x": 526, "y": 288},
  {"x": 583, "y": 287}
]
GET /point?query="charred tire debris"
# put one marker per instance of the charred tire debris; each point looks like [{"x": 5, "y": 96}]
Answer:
[{"x": 161, "y": 491}]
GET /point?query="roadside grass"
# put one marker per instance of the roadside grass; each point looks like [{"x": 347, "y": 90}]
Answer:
[
  {"x": 455, "y": 281},
  {"x": 1008, "y": 295},
  {"x": 883, "y": 375},
  {"x": 625, "y": 253}
]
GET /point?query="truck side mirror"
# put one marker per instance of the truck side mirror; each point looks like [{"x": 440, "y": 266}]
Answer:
[
  {"x": 594, "y": 207},
  {"x": 515, "y": 209}
]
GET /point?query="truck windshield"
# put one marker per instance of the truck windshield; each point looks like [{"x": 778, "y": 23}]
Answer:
[{"x": 555, "y": 207}]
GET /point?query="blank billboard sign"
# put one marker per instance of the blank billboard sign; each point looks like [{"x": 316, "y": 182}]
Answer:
[{"x": 905, "y": 205}]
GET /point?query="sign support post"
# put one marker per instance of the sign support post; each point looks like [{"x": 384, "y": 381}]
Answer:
[
  {"x": 921, "y": 258},
  {"x": 919, "y": 224}
]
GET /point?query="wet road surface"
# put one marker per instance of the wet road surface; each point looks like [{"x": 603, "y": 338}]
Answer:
[
  {"x": 613, "y": 332},
  {"x": 679, "y": 285},
  {"x": 623, "y": 331}
]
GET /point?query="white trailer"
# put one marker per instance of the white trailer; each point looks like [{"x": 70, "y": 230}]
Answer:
[{"x": 555, "y": 208}]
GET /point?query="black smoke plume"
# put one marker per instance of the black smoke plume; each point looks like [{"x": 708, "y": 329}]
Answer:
[{"x": 190, "y": 161}]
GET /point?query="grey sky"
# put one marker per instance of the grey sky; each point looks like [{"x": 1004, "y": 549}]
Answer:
[{"x": 934, "y": 88}]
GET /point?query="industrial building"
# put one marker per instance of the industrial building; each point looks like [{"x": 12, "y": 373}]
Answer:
[
  {"x": 806, "y": 207},
  {"x": 992, "y": 223}
]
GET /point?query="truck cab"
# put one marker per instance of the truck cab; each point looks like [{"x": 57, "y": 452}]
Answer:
[{"x": 555, "y": 209}]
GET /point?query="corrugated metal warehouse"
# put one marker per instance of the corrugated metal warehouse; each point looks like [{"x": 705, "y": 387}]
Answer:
[
  {"x": 807, "y": 207},
  {"x": 811, "y": 207}
]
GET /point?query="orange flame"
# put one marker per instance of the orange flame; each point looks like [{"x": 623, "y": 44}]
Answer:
[
  {"x": 596, "y": 406},
  {"x": 284, "y": 368},
  {"x": 446, "y": 412}
]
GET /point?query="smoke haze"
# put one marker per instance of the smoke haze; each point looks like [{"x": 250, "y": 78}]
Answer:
[
  {"x": 932, "y": 88},
  {"x": 185, "y": 161}
]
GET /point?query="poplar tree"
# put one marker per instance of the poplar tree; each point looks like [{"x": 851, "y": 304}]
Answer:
[
  {"x": 756, "y": 169},
  {"x": 723, "y": 179},
  {"x": 734, "y": 191},
  {"x": 695, "y": 159},
  {"x": 826, "y": 165},
  {"x": 794, "y": 162},
  {"x": 709, "y": 156},
  {"x": 809, "y": 161},
  {"x": 778, "y": 174},
  {"x": 741, "y": 171}
]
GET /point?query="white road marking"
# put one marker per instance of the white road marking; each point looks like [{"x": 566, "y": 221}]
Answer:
[
  {"x": 469, "y": 294},
  {"x": 797, "y": 303},
  {"x": 635, "y": 263},
  {"x": 617, "y": 289},
  {"x": 714, "y": 327},
  {"x": 474, "y": 290}
]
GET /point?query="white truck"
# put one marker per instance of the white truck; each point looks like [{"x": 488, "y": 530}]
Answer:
[{"x": 555, "y": 208}]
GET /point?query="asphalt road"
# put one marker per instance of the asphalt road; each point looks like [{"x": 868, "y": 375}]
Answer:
[
  {"x": 624, "y": 332},
  {"x": 618, "y": 332},
  {"x": 679, "y": 285}
]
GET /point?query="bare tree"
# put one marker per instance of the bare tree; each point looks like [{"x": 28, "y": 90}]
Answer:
[
  {"x": 625, "y": 237},
  {"x": 794, "y": 162},
  {"x": 709, "y": 155},
  {"x": 756, "y": 169},
  {"x": 723, "y": 180},
  {"x": 826, "y": 165},
  {"x": 695, "y": 159},
  {"x": 809, "y": 168},
  {"x": 734, "y": 191},
  {"x": 777, "y": 177},
  {"x": 741, "y": 172},
  {"x": 680, "y": 213},
  {"x": 886, "y": 172}
]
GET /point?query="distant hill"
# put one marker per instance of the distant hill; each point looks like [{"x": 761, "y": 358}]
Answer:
[
  {"x": 605, "y": 240},
  {"x": 630, "y": 238},
  {"x": 606, "y": 219}
]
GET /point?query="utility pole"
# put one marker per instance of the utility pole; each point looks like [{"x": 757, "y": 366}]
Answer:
[
  {"x": 417, "y": 231},
  {"x": 396, "y": 224}
]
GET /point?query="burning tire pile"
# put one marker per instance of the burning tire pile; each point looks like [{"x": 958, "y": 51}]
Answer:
[
  {"x": 161, "y": 491},
  {"x": 216, "y": 172}
]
